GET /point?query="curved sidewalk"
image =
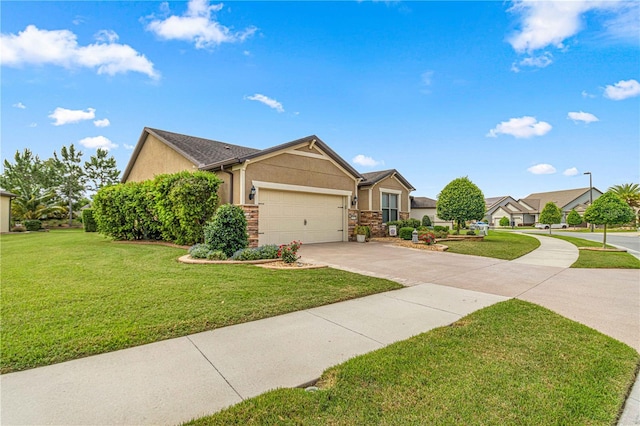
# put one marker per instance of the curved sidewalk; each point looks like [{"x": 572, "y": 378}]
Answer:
[{"x": 552, "y": 252}]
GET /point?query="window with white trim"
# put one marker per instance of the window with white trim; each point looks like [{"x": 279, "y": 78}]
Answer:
[{"x": 389, "y": 207}]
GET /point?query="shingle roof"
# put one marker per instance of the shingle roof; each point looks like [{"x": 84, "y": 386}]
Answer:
[
  {"x": 208, "y": 154},
  {"x": 560, "y": 198},
  {"x": 490, "y": 202},
  {"x": 7, "y": 193},
  {"x": 201, "y": 151},
  {"x": 372, "y": 178},
  {"x": 423, "y": 203}
]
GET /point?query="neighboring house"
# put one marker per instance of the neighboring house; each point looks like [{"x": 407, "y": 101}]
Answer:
[
  {"x": 425, "y": 206},
  {"x": 300, "y": 190},
  {"x": 526, "y": 211},
  {"x": 5, "y": 210}
]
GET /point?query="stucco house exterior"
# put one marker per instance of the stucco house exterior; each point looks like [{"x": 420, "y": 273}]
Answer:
[
  {"x": 526, "y": 211},
  {"x": 5, "y": 210},
  {"x": 299, "y": 190},
  {"x": 425, "y": 206}
]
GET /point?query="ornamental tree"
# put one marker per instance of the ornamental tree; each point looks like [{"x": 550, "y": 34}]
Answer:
[
  {"x": 608, "y": 209},
  {"x": 574, "y": 219},
  {"x": 460, "y": 200},
  {"x": 550, "y": 214}
]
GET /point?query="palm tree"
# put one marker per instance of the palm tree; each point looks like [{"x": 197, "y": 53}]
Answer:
[
  {"x": 34, "y": 206},
  {"x": 629, "y": 192}
]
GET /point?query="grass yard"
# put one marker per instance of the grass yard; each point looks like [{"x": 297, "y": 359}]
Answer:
[
  {"x": 512, "y": 363},
  {"x": 499, "y": 245},
  {"x": 600, "y": 259},
  {"x": 69, "y": 294}
]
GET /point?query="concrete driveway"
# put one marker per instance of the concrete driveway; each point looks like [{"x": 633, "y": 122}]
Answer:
[{"x": 607, "y": 300}]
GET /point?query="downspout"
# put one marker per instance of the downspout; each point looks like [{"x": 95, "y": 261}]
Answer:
[{"x": 230, "y": 183}]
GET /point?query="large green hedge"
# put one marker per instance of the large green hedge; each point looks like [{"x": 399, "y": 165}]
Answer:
[{"x": 170, "y": 207}]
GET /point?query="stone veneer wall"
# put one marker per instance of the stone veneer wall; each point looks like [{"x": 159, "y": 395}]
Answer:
[
  {"x": 252, "y": 215},
  {"x": 373, "y": 219},
  {"x": 404, "y": 215},
  {"x": 352, "y": 221}
]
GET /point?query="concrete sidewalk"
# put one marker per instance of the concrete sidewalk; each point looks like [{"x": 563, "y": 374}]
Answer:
[
  {"x": 552, "y": 252},
  {"x": 176, "y": 380}
]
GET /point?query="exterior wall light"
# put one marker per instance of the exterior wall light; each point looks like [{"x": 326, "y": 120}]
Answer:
[
  {"x": 252, "y": 193},
  {"x": 354, "y": 201}
]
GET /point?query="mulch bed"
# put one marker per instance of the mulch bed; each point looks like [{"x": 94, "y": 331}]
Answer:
[
  {"x": 405, "y": 243},
  {"x": 602, "y": 249}
]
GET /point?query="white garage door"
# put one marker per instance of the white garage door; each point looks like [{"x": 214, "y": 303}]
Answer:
[{"x": 285, "y": 216}]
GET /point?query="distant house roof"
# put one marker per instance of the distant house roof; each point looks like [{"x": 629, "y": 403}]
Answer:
[
  {"x": 7, "y": 194},
  {"x": 560, "y": 198},
  {"x": 372, "y": 178},
  {"x": 423, "y": 203},
  {"x": 492, "y": 201},
  {"x": 208, "y": 154}
]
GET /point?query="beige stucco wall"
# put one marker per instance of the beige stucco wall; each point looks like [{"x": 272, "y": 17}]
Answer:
[
  {"x": 5, "y": 213},
  {"x": 291, "y": 169},
  {"x": 388, "y": 183},
  {"x": 157, "y": 158}
]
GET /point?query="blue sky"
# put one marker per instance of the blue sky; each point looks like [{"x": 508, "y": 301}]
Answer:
[{"x": 521, "y": 97}]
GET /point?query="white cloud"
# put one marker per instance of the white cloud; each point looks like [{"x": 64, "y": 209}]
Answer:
[
  {"x": 540, "y": 61},
  {"x": 19, "y": 105},
  {"x": 523, "y": 127},
  {"x": 102, "y": 123},
  {"x": 546, "y": 23},
  {"x": 271, "y": 103},
  {"x": 622, "y": 90},
  {"x": 198, "y": 26},
  {"x": 542, "y": 169},
  {"x": 67, "y": 116},
  {"x": 585, "y": 117},
  {"x": 127, "y": 146},
  {"x": 570, "y": 172},
  {"x": 33, "y": 125},
  {"x": 98, "y": 142},
  {"x": 586, "y": 95},
  {"x": 60, "y": 47},
  {"x": 363, "y": 160},
  {"x": 106, "y": 36}
]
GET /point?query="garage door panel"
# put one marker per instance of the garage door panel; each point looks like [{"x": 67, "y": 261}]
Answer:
[{"x": 283, "y": 215}]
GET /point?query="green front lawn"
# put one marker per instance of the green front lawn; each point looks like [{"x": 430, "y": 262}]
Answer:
[
  {"x": 513, "y": 363},
  {"x": 600, "y": 259},
  {"x": 69, "y": 294},
  {"x": 499, "y": 245}
]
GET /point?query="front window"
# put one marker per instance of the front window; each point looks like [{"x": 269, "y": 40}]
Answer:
[{"x": 389, "y": 207}]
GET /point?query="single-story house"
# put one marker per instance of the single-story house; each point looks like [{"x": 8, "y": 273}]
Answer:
[
  {"x": 425, "y": 206},
  {"x": 526, "y": 211},
  {"x": 5, "y": 210},
  {"x": 299, "y": 190}
]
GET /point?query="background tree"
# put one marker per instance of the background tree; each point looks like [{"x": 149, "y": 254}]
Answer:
[
  {"x": 32, "y": 180},
  {"x": 550, "y": 214},
  {"x": 574, "y": 219},
  {"x": 101, "y": 171},
  {"x": 504, "y": 221},
  {"x": 460, "y": 200},
  {"x": 629, "y": 193},
  {"x": 71, "y": 187},
  {"x": 608, "y": 209}
]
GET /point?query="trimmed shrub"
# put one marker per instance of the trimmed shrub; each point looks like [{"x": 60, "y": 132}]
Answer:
[
  {"x": 441, "y": 228},
  {"x": 471, "y": 232},
  {"x": 216, "y": 255},
  {"x": 32, "y": 225},
  {"x": 227, "y": 231},
  {"x": 504, "y": 221},
  {"x": 269, "y": 251},
  {"x": 184, "y": 203},
  {"x": 88, "y": 222},
  {"x": 406, "y": 233},
  {"x": 426, "y": 220},
  {"x": 246, "y": 254},
  {"x": 199, "y": 251},
  {"x": 441, "y": 234}
]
